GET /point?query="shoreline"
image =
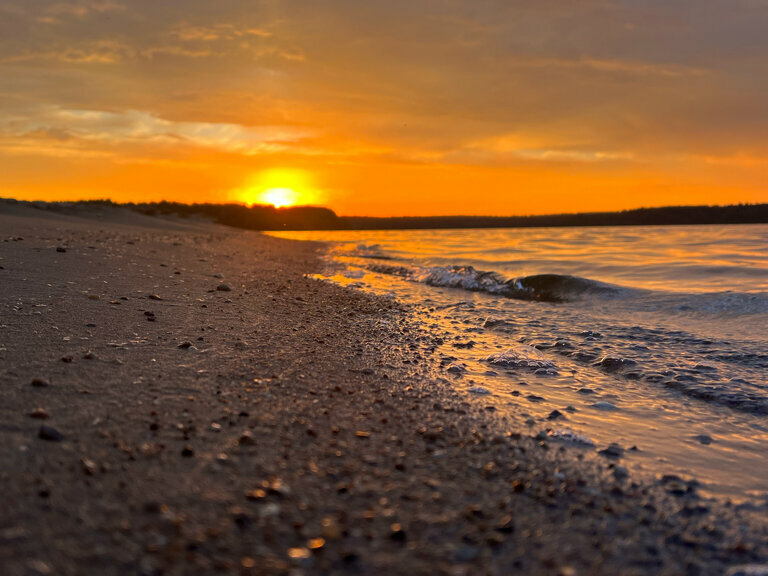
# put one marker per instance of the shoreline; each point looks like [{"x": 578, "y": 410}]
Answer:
[{"x": 283, "y": 424}]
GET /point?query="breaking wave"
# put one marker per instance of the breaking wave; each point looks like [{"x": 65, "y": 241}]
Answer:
[{"x": 538, "y": 287}]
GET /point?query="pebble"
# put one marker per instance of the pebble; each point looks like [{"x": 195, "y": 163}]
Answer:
[
  {"x": 620, "y": 473},
  {"x": 613, "y": 451},
  {"x": 39, "y": 414},
  {"x": 246, "y": 439},
  {"x": 89, "y": 466},
  {"x": 555, "y": 414},
  {"x": 185, "y": 345},
  {"x": 89, "y": 356},
  {"x": 604, "y": 406},
  {"x": 456, "y": 368},
  {"x": 478, "y": 390},
  {"x": 49, "y": 433},
  {"x": 187, "y": 452},
  {"x": 223, "y": 288},
  {"x": 705, "y": 439},
  {"x": 61, "y": 249},
  {"x": 397, "y": 533},
  {"x": 154, "y": 297},
  {"x": 40, "y": 383}
]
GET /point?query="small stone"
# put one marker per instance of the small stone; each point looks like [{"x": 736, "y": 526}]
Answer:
[
  {"x": 620, "y": 473},
  {"x": 49, "y": 433},
  {"x": 61, "y": 249},
  {"x": 607, "y": 406},
  {"x": 705, "y": 439},
  {"x": 94, "y": 297},
  {"x": 187, "y": 452},
  {"x": 89, "y": 466},
  {"x": 185, "y": 345},
  {"x": 67, "y": 359},
  {"x": 148, "y": 313},
  {"x": 613, "y": 451},
  {"x": 89, "y": 356},
  {"x": 223, "y": 288},
  {"x": 397, "y": 533},
  {"x": 246, "y": 439},
  {"x": 39, "y": 414},
  {"x": 554, "y": 415},
  {"x": 505, "y": 525},
  {"x": 299, "y": 553},
  {"x": 40, "y": 382},
  {"x": 154, "y": 297},
  {"x": 90, "y": 325}
]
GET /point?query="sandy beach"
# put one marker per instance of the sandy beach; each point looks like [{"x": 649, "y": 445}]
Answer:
[{"x": 180, "y": 398}]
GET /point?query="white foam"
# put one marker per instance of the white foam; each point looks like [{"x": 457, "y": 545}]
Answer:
[{"x": 521, "y": 356}]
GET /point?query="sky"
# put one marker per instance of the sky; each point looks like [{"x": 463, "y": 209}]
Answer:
[{"x": 403, "y": 107}]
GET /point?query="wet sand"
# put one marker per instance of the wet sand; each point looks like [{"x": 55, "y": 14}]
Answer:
[{"x": 179, "y": 398}]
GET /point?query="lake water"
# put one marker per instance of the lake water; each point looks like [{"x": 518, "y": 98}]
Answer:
[{"x": 653, "y": 338}]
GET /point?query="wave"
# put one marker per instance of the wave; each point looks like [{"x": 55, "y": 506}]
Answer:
[
  {"x": 537, "y": 287},
  {"x": 367, "y": 251}
]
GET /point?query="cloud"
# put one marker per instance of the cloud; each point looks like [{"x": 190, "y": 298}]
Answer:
[
  {"x": 134, "y": 126},
  {"x": 83, "y": 8}
]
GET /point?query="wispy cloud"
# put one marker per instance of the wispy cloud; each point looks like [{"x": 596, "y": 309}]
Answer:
[
  {"x": 141, "y": 127},
  {"x": 84, "y": 7}
]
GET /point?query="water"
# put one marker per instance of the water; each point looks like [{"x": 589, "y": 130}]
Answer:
[{"x": 655, "y": 338}]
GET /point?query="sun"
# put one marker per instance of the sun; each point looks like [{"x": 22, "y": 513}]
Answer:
[
  {"x": 279, "y": 197},
  {"x": 280, "y": 188}
]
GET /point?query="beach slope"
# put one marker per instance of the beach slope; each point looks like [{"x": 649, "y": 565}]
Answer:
[{"x": 180, "y": 398}]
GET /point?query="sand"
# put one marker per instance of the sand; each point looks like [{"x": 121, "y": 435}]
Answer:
[{"x": 180, "y": 398}]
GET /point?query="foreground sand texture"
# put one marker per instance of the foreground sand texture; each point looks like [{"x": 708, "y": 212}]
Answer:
[{"x": 282, "y": 426}]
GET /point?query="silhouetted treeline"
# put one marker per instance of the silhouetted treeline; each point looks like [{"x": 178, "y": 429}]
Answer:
[
  {"x": 260, "y": 217},
  {"x": 668, "y": 215},
  {"x": 256, "y": 217}
]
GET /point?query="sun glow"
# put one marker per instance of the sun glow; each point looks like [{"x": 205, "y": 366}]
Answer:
[
  {"x": 280, "y": 188},
  {"x": 279, "y": 197}
]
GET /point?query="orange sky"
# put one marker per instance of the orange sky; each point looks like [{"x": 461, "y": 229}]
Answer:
[{"x": 397, "y": 108}]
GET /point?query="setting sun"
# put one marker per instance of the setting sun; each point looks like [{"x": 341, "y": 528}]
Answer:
[
  {"x": 279, "y": 197},
  {"x": 279, "y": 187}
]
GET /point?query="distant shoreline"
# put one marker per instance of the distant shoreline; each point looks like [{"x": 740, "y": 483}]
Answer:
[{"x": 269, "y": 218}]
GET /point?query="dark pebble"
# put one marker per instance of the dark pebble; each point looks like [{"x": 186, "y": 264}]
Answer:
[
  {"x": 613, "y": 451},
  {"x": 554, "y": 415},
  {"x": 703, "y": 439},
  {"x": 60, "y": 249},
  {"x": 187, "y": 452},
  {"x": 49, "y": 433},
  {"x": 397, "y": 534},
  {"x": 40, "y": 383},
  {"x": 185, "y": 345},
  {"x": 67, "y": 359},
  {"x": 223, "y": 288}
]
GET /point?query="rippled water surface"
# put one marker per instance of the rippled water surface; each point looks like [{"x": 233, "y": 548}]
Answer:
[{"x": 654, "y": 338}]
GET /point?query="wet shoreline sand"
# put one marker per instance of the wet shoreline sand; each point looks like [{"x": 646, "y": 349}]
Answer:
[{"x": 282, "y": 424}]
